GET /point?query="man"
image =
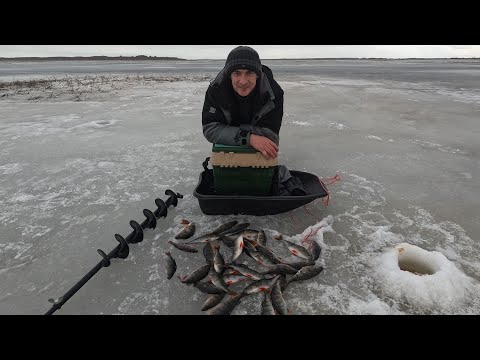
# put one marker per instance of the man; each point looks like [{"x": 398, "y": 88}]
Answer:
[{"x": 244, "y": 104}]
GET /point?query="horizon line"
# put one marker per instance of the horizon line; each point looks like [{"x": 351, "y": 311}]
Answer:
[{"x": 153, "y": 57}]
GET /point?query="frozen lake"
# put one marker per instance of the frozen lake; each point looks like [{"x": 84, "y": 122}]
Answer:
[{"x": 83, "y": 155}]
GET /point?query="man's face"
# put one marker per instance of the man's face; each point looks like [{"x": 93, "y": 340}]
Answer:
[{"x": 243, "y": 81}]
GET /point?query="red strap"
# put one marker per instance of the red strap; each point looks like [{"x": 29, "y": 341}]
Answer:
[
  {"x": 306, "y": 241},
  {"x": 328, "y": 181},
  {"x": 332, "y": 180}
]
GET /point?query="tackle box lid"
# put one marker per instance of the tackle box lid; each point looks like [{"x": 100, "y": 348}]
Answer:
[{"x": 242, "y": 149}]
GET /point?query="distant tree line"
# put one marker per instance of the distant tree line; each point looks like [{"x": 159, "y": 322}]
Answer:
[{"x": 60, "y": 58}]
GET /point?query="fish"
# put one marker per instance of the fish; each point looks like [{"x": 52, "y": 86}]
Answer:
[
  {"x": 228, "y": 240},
  {"x": 224, "y": 227},
  {"x": 196, "y": 275},
  {"x": 212, "y": 300},
  {"x": 248, "y": 245},
  {"x": 209, "y": 253},
  {"x": 269, "y": 254},
  {"x": 267, "y": 306},
  {"x": 227, "y": 306},
  {"x": 229, "y": 271},
  {"x": 261, "y": 259},
  {"x": 246, "y": 271},
  {"x": 277, "y": 299},
  {"x": 171, "y": 265},
  {"x": 297, "y": 250},
  {"x": 204, "y": 239},
  {"x": 261, "y": 238},
  {"x": 300, "y": 264},
  {"x": 218, "y": 261},
  {"x": 187, "y": 231},
  {"x": 215, "y": 234},
  {"x": 279, "y": 269},
  {"x": 260, "y": 285},
  {"x": 316, "y": 250},
  {"x": 236, "y": 229},
  {"x": 207, "y": 287},
  {"x": 238, "y": 248},
  {"x": 183, "y": 247},
  {"x": 250, "y": 234},
  {"x": 233, "y": 279},
  {"x": 282, "y": 280},
  {"x": 217, "y": 280},
  {"x": 306, "y": 272}
]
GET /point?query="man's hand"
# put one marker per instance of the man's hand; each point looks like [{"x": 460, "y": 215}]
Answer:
[{"x": 263, "y": 144}]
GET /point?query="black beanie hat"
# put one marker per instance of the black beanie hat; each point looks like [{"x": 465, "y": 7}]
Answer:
[{"x": 243, "y": 57}]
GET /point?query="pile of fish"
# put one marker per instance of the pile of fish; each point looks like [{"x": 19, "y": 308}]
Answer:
[{"x": 225, "y": 248}]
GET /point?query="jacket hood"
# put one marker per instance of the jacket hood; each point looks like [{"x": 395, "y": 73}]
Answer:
[{"x": 263, "y": 82}]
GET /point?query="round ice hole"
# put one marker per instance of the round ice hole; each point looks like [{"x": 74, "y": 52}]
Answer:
[{"x": 416, "y": 260}]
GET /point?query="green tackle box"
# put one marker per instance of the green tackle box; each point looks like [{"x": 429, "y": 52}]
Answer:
[{"x": 241, "y": 170}]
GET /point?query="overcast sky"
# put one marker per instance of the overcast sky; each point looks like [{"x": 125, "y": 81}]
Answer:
[{"x": 265, "y": 51}]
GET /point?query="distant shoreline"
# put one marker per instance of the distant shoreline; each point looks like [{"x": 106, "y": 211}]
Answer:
[
  {"x": 156, "y": 58},
  {"x": 64, "y": 58}
]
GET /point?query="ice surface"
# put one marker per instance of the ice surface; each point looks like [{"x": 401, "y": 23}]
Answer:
[{"x": 80, "y": 159}]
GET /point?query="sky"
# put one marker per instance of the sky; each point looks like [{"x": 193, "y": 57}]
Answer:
[{"x": 192, "y": 52}]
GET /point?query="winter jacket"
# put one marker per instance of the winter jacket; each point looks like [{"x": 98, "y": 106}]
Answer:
[{"x": 220, "y": 119}]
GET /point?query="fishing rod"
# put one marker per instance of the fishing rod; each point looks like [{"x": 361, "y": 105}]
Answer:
[{"x": 122, "y": 250}]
